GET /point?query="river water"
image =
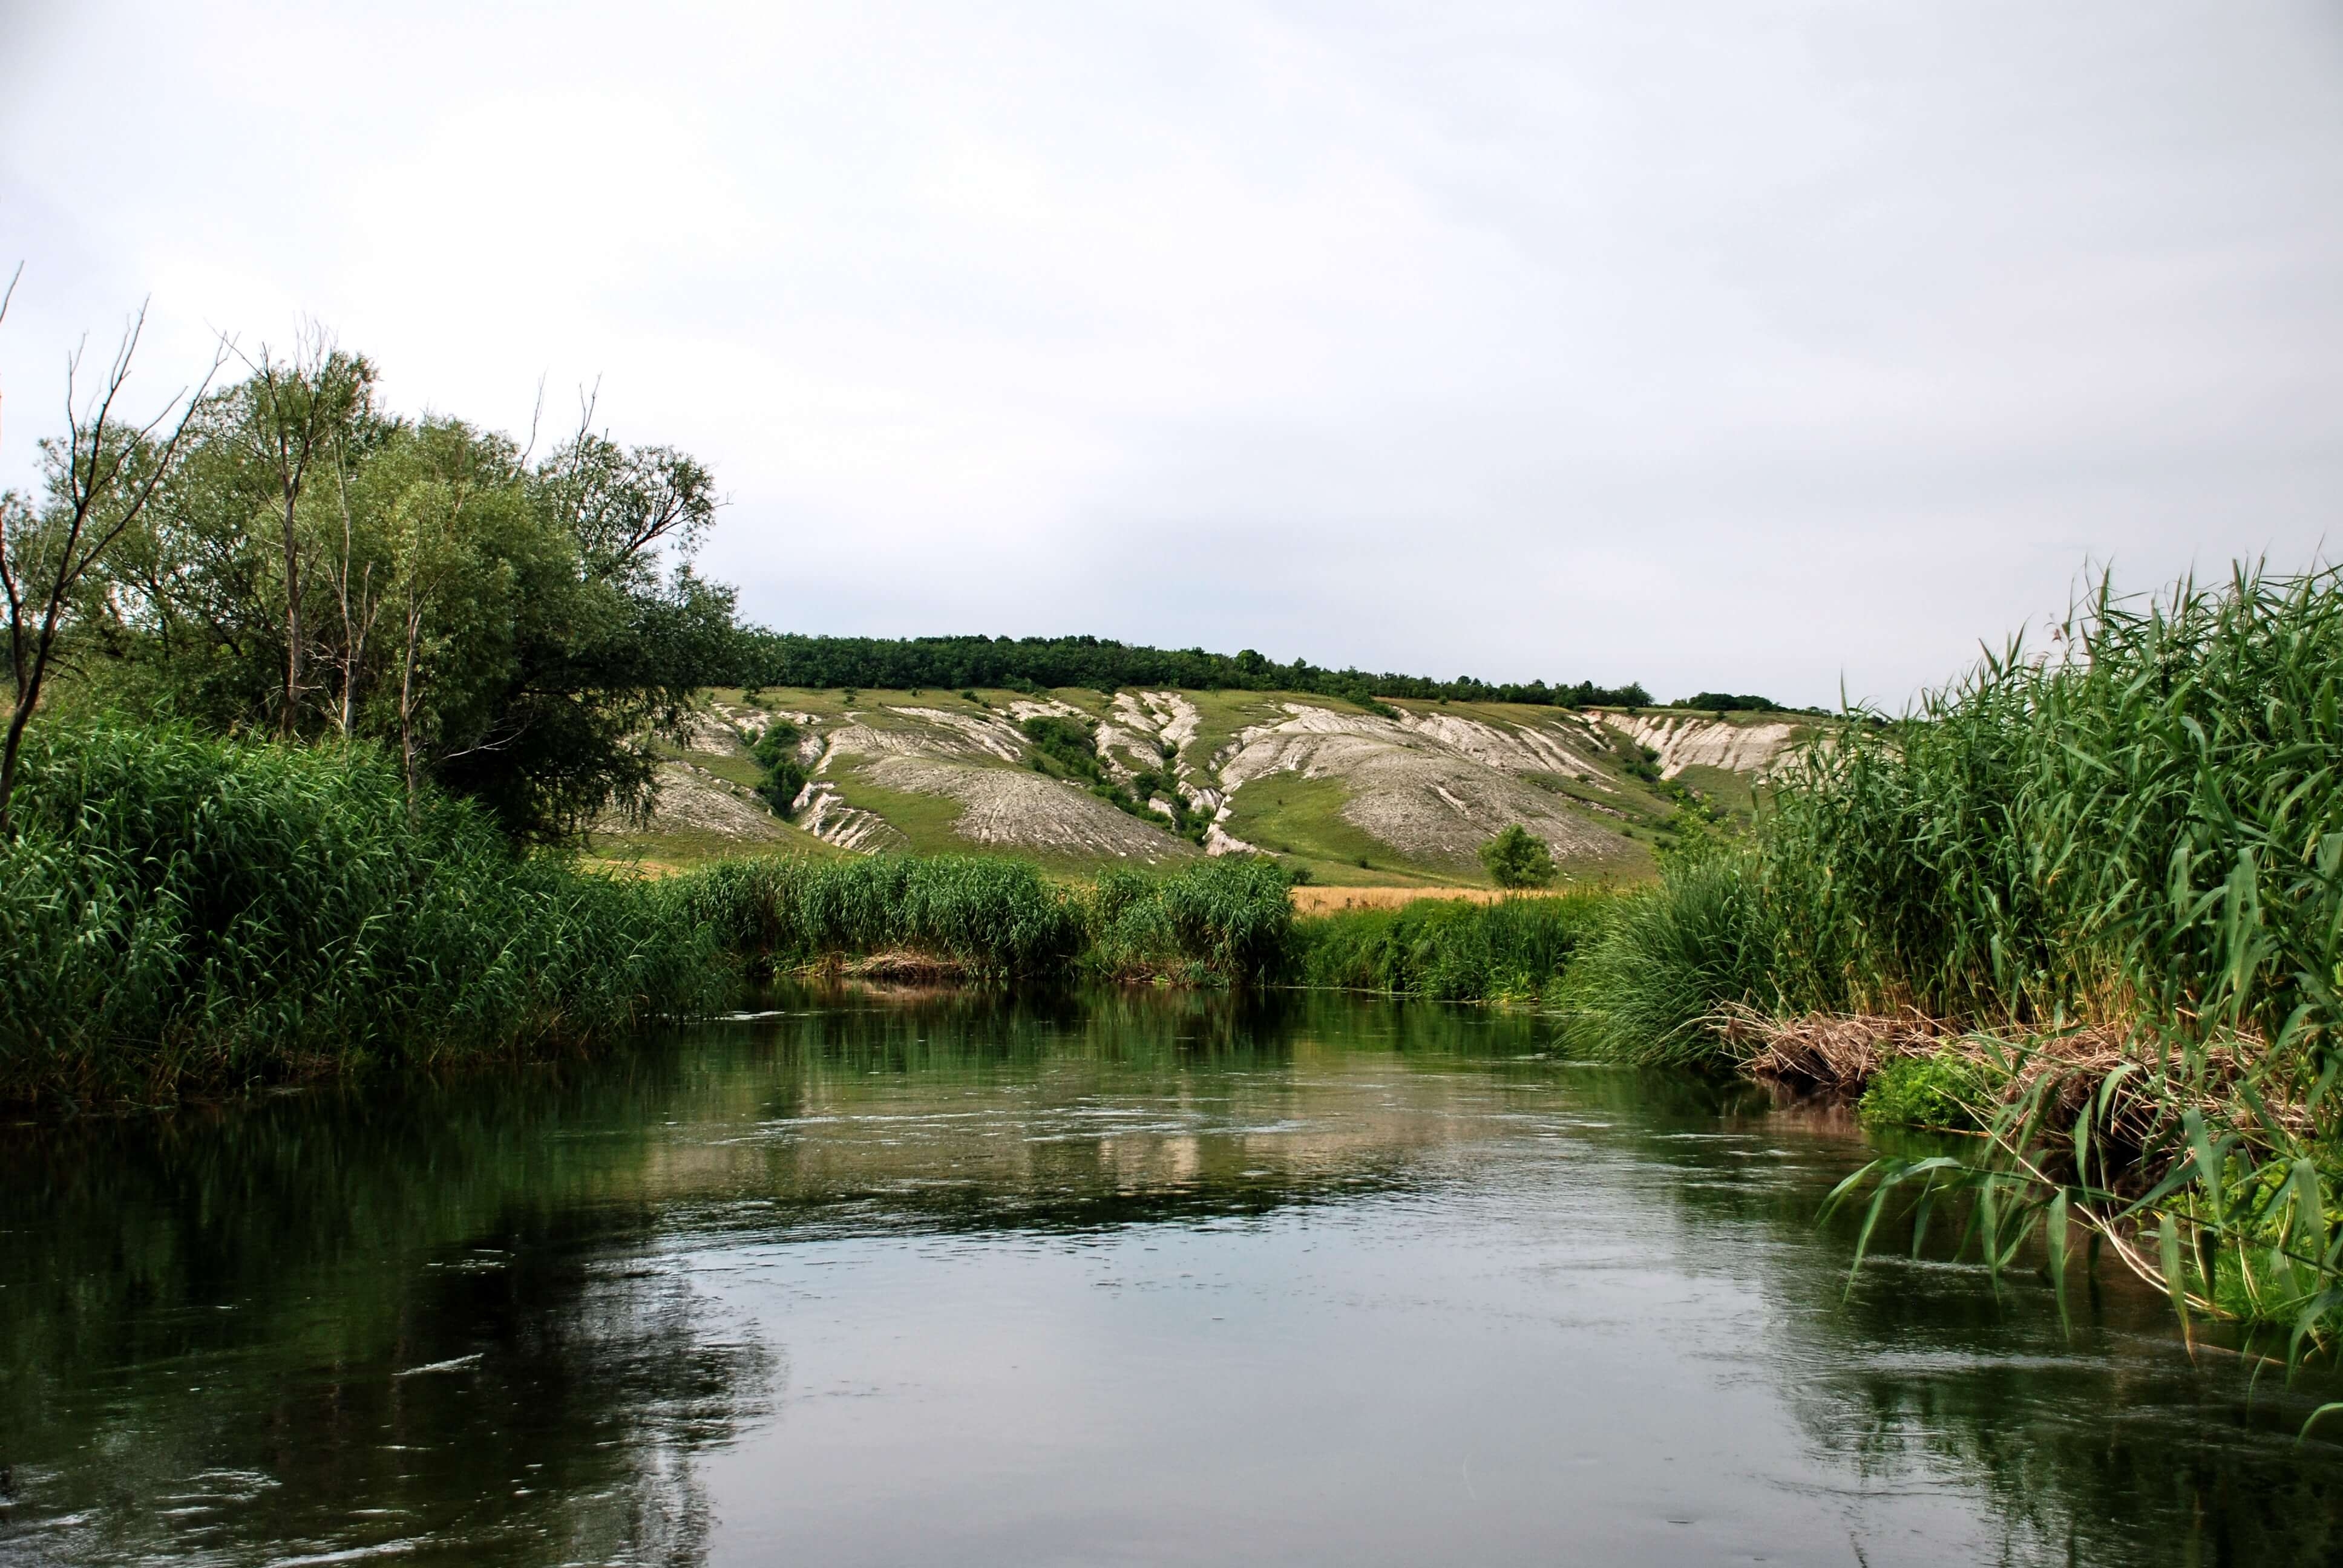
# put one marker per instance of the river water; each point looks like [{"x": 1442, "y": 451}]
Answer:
[{"x": 1118, "y": 1279}]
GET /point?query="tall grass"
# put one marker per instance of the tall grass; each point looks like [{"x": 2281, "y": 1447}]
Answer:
[
  {"x": 179, "y": 910},
  {"x": 1650, "y": 985},
  {"x": 2145, "y": 825},
  {"x": 1450, "y": 950},
  {"x": 1225, "y": 921},
  {"x": 995, "y": 921},
  {"x": 991, "y": 918},
  {"x": 2134, "y": 838}
]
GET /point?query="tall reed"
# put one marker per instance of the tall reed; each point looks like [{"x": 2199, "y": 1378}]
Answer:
[
  {"x": 1450, "y": 950},
  {"x": 1225, "y": 921},
  {"x": 2119, "y": 864},
  {"x": 991, "y": 918},
  {"x": 2143, "y": 824},
  {"x": 178, "y": 911},
  {"x": 994, "y": 921}
]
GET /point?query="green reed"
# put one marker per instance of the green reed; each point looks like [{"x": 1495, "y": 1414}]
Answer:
[
  {"x": 992, "y": 919},
  {"x": 179, "y": 911},
  {"x": 1450, "y": 950},
  {"x": 2145, "y": 825},
  {"x": 1224, "y": 922},
  {"x": 2136, "y": 836}
]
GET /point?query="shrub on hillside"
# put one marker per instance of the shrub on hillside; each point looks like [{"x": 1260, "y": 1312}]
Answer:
[{"x": 1516, "y": 858}]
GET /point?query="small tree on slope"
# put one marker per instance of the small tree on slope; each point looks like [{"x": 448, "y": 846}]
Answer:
[{"x": 1518, "y": 859}]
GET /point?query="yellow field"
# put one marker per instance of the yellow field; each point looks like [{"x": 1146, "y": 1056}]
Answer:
[{"x": 1315, "y": 900}]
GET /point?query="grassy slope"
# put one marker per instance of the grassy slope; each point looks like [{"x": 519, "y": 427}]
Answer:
[{"x": 1297, "y": 819}]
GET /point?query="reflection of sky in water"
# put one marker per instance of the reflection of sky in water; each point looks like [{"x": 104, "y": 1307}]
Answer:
[{"x": 1158, "y": 1280}]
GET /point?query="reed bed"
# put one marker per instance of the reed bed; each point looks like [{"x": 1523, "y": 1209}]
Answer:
[
  {"x": 2121, "y": 860},
  {"x": 985, "y": 919},
  {"x": 992, "y": 921},
  {"x": 179, "y": 911},
  {"x": 1450, "y": 950}
]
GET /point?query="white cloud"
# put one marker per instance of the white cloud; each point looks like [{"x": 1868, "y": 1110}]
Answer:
[{"x": 1714, "y": 346}]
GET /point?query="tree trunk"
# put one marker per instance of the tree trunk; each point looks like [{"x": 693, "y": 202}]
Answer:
[{"x": 292, "y": 618}]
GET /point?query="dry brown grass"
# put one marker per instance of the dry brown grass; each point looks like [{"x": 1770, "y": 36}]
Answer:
[
  {"x": 1837, "y": 1054},
  {"x": 1314, "y": 901}
]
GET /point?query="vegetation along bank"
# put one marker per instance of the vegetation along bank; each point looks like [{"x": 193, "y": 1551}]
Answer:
[{"x": 327, "y": 696}]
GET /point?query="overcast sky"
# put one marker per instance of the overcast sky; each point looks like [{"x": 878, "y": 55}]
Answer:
[{"x": 1756, "y": 346}]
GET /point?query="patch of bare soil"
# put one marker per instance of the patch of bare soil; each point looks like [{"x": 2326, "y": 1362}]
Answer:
[
  {"x": 1434, "y": 790},
  {"x": 1687, "y": 742},
  {"x": 1030, "y": 810},
  {"x": 692, "y": 798}
]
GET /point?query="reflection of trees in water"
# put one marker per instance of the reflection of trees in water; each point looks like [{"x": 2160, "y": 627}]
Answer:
[
  {"x": 2107, "y": 1447},
  {"x": 205, "y": 1342},
  {"x": 966, "y": 1113},
  {"x": 289, "y": 1259}
]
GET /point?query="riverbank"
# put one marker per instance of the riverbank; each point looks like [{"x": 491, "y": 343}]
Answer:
[{"x": 2089, "y": 904}]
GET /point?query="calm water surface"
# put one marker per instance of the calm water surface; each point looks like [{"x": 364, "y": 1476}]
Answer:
[{"x": 1135, "y": 1279}]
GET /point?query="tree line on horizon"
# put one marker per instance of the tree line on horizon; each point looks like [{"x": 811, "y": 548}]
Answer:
[{"x": 767, "y": 657}]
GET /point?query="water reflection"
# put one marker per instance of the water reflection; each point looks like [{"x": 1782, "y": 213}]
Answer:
[{"x": 1133, "y": 1277}]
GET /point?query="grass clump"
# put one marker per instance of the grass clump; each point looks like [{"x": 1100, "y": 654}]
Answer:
[
  {"x": 1669, "y": 958},
  {"x": 987, "y": 918},
  {"x": 1450, "y": 950},
  {"x": 1228, "y": 921},
  {"x": 185, "y": 912}
]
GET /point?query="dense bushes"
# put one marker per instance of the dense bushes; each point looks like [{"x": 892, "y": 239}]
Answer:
[
  {"x": 184, "y": 909},
  {"x": 1450, "y": 950}
]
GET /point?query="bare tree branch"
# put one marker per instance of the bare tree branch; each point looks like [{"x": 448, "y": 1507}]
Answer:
[{"x": 41, "y": 575}]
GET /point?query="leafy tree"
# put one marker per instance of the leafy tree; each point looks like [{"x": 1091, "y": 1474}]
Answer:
[
  {"x": 1516, "y": 858},
  {"x": 311, "y": 565},
  {"x": 1035, "y": 663},
  {"x": 776, "y": 752}
]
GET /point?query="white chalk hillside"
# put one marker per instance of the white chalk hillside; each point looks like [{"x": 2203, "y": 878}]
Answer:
[{"x": 1425, "y": 788}]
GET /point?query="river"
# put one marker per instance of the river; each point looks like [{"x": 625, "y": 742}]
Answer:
[{"x": 1124, "y": 1279}]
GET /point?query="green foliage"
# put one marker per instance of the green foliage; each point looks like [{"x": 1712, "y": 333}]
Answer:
[
  {"x": 1225, "y": 921},
  {"x": 181, "y": 911},
  {"x": 1516, "y": 858},
  {"x": 1068, "y": 742},
  {"x": 1069, "y": 747},
  {"x": 1450, "y": 950},
  {"x": 1727, "y": 702},
  {"x": 1099, "y": 664},
  {"x": 782, "y": 777},
  {"x": 314, "y": 566},
  {"x": 993, "y": 919},
  {"x": 1670, "y": 959},
  {"x": 1943, "y": 1090}
]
